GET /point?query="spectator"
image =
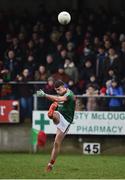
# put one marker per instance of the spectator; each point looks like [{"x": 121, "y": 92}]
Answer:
[
  {"x": 101, "y": 56},
  {"x": 41, "y": 51},
  {"x": 30, "y": 49},
  {"x": 41, "y": 74},
  {"x": 115, "y": 104},
  {"x": 68, "y": 37},
  {"x": 104, "y": 101},
  {"x": 103, "y": 91},
  {"x": 12, "y": 65},
  {"x": 107, "y": 45},
  {"x": 79, "y": 105},
  {"x": 122, "y": 38},
  {"x": 92, "y": 102},
  {"x": 112, "y": 62},
  {"x": 63, "y": 56},
  {"x": 19, "y": 52},
  {"x": 59, "y": 48},
  {"x": 114, "y": 39},
  {"x": 25, "y": 94},
  {"x": 93, "y": 81},
  {"x": 71, "y": 70},
  {"x": 49, "y": 87},
  {"x": 96, "y": 44},
  {"x": 51, "y": 65},
  {"x": 53, "y": 41},
  {"x": 4, "y": 75},
  {"x": 8, "y": 41},
  {"x": 73, "y": 86},
  {"x": 22, "y": 39},
  {"x": 35, "y": 38},
  {"x": 7, "y": 91},
  {"x": 30, "y": 64},
  {"x": 60, "y": 74},
  {"x": 87, "y": 70},
  {"x": 71, "y": 51},
  {"x": 111, "y": 74}
]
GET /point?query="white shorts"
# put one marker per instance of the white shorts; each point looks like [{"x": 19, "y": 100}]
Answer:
[{"x": 63, "y": 125}]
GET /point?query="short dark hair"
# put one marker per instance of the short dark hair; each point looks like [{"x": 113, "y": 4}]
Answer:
[
  {"x": 58, "y": 83},
  {"x": 92, "y": 86}
]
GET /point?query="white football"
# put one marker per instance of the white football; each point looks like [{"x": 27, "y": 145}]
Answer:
[{"x": 64, "y": 18}]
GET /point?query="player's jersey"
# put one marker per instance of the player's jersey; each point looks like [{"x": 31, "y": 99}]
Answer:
[{"x": 67, "y": 108}]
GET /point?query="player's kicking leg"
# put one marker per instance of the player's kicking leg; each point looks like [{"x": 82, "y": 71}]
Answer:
[
  {"x": 59, "y": 135},
  {"x": 56, "y": 149}
]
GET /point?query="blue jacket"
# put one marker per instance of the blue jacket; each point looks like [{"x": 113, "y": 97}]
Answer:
[{"x": 118, "y": 91}]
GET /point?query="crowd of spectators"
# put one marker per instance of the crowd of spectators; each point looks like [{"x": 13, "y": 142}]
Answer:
[{"x": 88, "y": 54}]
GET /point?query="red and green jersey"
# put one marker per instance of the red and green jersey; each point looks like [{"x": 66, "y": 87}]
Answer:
[{"x": 67, "y": 108}]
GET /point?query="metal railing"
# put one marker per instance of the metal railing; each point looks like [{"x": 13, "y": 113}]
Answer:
[
  {"x": 90, "y": 103},
  {"x": 83, "y": 102},
  {"x": 27, "y": 82}
]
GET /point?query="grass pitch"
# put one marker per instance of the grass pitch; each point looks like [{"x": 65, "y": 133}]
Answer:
[{"x": 67, "y": 167}]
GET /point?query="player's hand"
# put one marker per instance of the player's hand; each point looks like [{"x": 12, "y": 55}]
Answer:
[{"x": 40, "y": 93}]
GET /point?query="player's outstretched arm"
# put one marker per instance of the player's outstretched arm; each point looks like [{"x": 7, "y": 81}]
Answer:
[{"x": 41, "y": 93}]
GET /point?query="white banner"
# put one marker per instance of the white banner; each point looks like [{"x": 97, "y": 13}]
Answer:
[{"x": 101, "y": 123}]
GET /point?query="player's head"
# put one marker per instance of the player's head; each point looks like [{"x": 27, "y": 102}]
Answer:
[{"x": 60, "y": 87}]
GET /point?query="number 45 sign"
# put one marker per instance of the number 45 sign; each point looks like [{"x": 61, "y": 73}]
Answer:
[{"x": 91, "y": 148}]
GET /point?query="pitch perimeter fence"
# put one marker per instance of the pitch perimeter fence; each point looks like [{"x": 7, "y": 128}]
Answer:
[{"x": 24, "y": 93}]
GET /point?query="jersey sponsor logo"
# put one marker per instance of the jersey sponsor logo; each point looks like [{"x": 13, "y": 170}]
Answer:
[{"x": 60, "y": 104}]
